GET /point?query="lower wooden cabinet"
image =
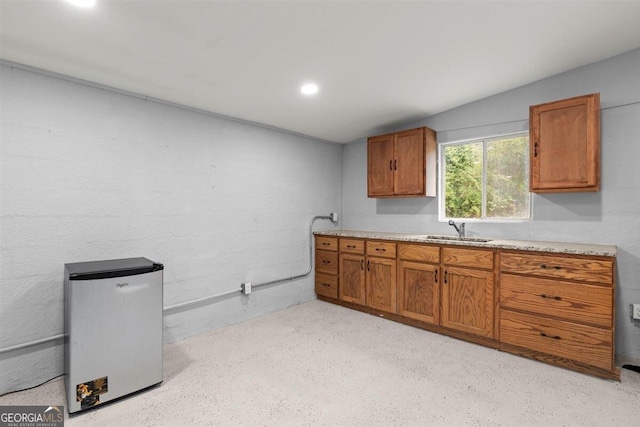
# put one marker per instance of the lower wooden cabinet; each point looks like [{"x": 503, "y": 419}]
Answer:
[
  {"x": 381, "y": 275},
  {"x": 570, "y": 340},
  {"x": 352, "y": 278},
  {"x": 559, "y": 309},
  {"x": 589, "y": 303},
  {"x": 381, "y": 284},
  {"x": 418, "y": 291},
  {"x": 326, "y": 263},
  {"x": 326, "y": 285},
  {"x": 467, "y": 300},
  {"x": 551, "y": 307},
  {"x": 467, "y": 290}
]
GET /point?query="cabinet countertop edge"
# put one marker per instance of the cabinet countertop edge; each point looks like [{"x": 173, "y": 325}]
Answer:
[{"x": 589, "y": 249}]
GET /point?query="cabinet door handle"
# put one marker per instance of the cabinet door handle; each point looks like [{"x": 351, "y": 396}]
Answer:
[
  {"x": 445, "y": 277},
  {"x": 555, "y": 337},
  {"x": 551, "y": 297},
  {"x": 435, "y": 275},
  {"x": 390, "y": 165},
  {"x": 368, "y": 265},
  {"x": 395, "y": 164},
  {"x": 535, "y": 149},
  {"x": 381, "y": 250},
  {"x": 362, "y": 264}
]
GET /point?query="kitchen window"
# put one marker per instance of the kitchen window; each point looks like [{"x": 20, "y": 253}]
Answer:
[{"x": 485, "y": 179}]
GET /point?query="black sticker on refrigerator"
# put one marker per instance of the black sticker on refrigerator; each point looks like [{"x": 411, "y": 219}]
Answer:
[{"x": 88, "y": 394}]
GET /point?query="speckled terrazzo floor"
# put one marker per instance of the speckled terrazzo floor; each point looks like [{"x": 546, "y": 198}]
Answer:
[{"x": 318, "y": 364}]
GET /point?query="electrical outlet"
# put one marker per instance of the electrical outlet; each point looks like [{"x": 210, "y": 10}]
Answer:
[
  {"x": 333, "y": 216},
  {"x": 636, "y": 311},
  {"x": 246, "y": 288}
]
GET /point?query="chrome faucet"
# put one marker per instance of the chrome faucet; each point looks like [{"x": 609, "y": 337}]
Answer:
[{"x": 459, "y": 229}]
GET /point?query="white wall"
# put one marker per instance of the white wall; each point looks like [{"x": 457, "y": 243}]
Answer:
[
  {"x": 610, "y": 216},
  {"x": 88, "y": 173}
]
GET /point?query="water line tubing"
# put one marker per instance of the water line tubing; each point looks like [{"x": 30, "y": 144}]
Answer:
[
  {"x": 257, "y": 285},
  {"x": 199, "y": 300}
]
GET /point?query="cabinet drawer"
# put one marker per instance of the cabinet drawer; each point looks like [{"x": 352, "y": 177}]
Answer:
[
  {"x": 381, "y": 249},
  {"x": 586, "y": 344},
  {"x": 583, "y": 269},
  {"x": 475, "y": 258},
  {"x": 327, "y": 262},
  {"x": 327, "y": 243},
  {"x": 570, "y": 301},
  {"x": 327, "y": 285},
  {"x": 352, "y": 246},
  {"x": 419, "y": 253}
]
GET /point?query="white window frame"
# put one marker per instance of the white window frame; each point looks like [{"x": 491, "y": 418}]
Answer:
[{"x": 441, "y": 173}]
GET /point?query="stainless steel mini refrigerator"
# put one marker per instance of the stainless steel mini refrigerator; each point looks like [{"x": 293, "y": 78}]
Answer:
[{"x": 113, "y": 329}]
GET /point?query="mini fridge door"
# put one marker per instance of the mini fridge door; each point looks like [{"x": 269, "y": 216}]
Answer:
[{"x": 114, "y": 335}]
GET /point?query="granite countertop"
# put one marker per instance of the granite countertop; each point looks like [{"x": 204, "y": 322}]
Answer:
[{"x": 521, "y": 245}]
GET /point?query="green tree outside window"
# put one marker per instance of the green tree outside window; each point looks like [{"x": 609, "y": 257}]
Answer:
[{"x": 487, "y": 179}]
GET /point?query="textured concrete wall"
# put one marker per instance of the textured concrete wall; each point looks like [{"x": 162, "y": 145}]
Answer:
[
  {"x": 611, "y": 216},
  {"x": 89, "y": 173}
]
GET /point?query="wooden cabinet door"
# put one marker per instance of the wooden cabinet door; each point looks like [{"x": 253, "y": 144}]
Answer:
[
  {"x": 409, "y": 163},
  {"x": 467, "y": 300},
  {"x": 351, "y": 287},
  {"x": 381, "y": 283},
  {"x": 565, "y": 145},
  {"x": 380, "y": 164},
  {"x": 418, "y": 291}
]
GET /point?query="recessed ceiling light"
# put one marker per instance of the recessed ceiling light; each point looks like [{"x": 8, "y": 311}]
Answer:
[
  {"x": 309, "y": 88},
  {"x": 83, "y": 3}
]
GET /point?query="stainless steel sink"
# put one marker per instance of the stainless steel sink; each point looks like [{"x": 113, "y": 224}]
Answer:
[{"x": 458, "y": 239}]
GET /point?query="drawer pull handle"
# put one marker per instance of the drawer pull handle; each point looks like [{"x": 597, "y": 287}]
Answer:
[
  {"x": 351, "y": 246},
  {"x": 557, "y": 267},
  {"x": 325, "y": 243},
  {"x": 555, "y": 337},
  {"x": 326, "y": 285},
  {"x": 324, "y": 261},
  {"x": 381, "y": 250},
  {"x": 550, "y": 297}
]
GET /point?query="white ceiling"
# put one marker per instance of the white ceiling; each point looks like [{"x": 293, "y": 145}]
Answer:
[{"x": 378, "y": 63}]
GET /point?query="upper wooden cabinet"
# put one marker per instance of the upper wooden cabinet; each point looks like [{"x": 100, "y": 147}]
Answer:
[
  {"x": 564, "y": 138},
  {"x": 402, "y": 164}
]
